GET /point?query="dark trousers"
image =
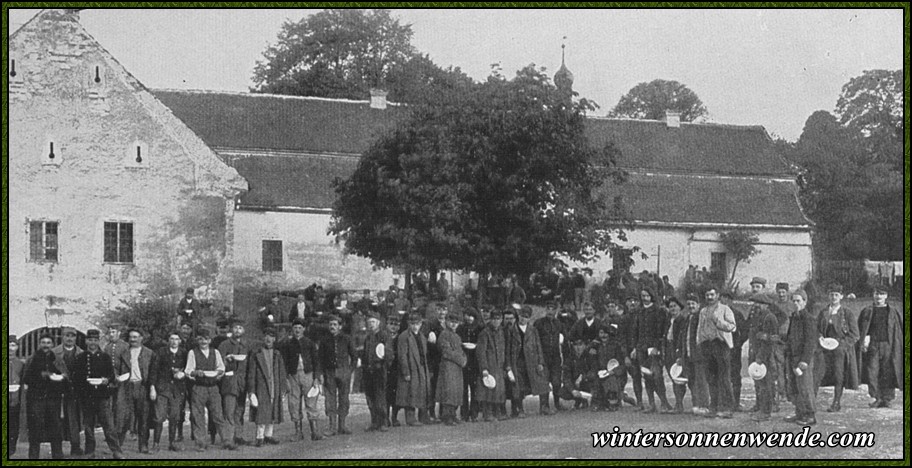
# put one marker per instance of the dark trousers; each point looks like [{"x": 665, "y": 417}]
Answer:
[
  {"x": 97, "y": 411},
  {"x": 637, "y": 377},
  {"x": 553, "y": 374},
  {"x": 391, "y": 376},
  {"x": 72, "y": 421},
  {"x": 717, "y": 358},
  {"x": 168, "y": 407},
  {"x": 782, "y": 376},
  {"x": 655, "y": 383},
  {"x": 879, "y": 363},
  {"x": 233, "y": 407},
  {"x": 12, "y": 430},
  {"x": 134, "y": 405},
  {"x": 696, "y": 382},
  {"x": 205, "y": 398},
  {"x": 337, "y": 383},
  {"x": 470, "y": 405},
  {"x": 44, "y": 423},
  {"x": 374, "y": 381},
  {"x": 802, "y": 390},
  {"x": 735, "y": 361},
  {"x": 766, "y": 388}
]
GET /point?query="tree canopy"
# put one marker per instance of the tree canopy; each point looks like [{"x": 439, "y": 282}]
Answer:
[
  {"x": 651, "y": 100},
  {"x": 494, "y": 177},
  {"x": 871, "y": 105},
  {"x": 343, "y": 53}
]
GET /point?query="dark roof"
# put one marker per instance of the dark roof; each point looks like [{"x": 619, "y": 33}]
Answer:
[
  {"x": 292, "y": 181},
  {"x": 697, "y": 199},
  {"x": 690, "y": 148},
  {"x": 265, "y": 121}
]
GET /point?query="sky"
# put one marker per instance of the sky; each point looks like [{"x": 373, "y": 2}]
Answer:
[{"x": 749, "y": 66}]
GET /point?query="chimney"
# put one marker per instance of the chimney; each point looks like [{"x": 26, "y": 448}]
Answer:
[
  {"x": 378, "y": 98},
  {"x": 673, "y": 119}
]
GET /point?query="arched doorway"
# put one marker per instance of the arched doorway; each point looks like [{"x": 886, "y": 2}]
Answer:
[{"x": 28, "y": 343}]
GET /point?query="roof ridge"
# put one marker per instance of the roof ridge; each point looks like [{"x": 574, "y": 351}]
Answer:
[
  {"x": 268, "y": 95},
  {"x": 693, "y": 124}
]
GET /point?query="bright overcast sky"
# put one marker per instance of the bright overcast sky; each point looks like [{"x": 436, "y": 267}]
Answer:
[{"x": 750, "y": 67}]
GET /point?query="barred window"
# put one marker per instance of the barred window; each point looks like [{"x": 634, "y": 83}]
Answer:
[
  {"x": 272, "y": 255},
  {"x": 718, "y": 262},
  {"x": 118, "y": 242},
  {"x": 43, "y": 241}
]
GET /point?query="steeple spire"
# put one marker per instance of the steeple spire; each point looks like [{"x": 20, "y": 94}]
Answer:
[{"x": 563, "y": 79}]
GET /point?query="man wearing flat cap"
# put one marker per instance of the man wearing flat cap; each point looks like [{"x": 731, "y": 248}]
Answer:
[
  {"x": 491, "y": 355},
  {"x": 135, "y": 365},
  {"x": 452, "y": 360},
  {"x": 526, "y": 364},
  {"x": 757, "y": 284},
  {"x": 413, "y": 383},
  {"x": 783, "y": 309},
  {"x": 764, "y": 335},
  {"x": 202, "y": 363},
  {"x": 72, "y": 417},
  {"x": 170, "y": 385},
  {"x": 189, "y": 308},
  {"x": 338, "y": 359},
  {"x": 93, "y": 376},
  {"x": 840, "y": 367},
  {"x": 881, "y": 329},
  {"x": 232, "y": 387},
  {"x": 44, "y": 374},
  {"x": 15, "y": 368},
  {"x": 303, "y": 372},
  {"x": 375, "y": 370}
]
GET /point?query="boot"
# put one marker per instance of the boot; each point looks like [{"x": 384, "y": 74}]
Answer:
[
  {"x": 180, "y": 432},
  {"x": 299, "y": 430},
  {"x": 544, "y": 407},
  {"x": 410, "y": 418},
  {"x": 331, "y": 430},
  {"x": 342, "y": 429},
  {"x": 837, "y": 395},
  {"x": 315, "y": 433}
]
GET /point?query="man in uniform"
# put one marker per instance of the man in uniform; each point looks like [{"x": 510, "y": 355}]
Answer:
[
  {"x": 72, "y": 418},
  {"x": 234, "y": 353},
  {"x": 95, "y": 398},
  {"x": 44, "y": 375},
  {"x": 881, "y": 330},
  {"x": 764, "y": 334},
  {"x": 170, "y": 384},
  {"x": 375, "y": 371},
  {"x": 133, "y": 368}
]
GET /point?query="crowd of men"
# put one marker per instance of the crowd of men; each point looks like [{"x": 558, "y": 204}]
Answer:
[{"x": 440, "y": 364}]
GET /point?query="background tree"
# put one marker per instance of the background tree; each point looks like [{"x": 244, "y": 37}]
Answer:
[
  {"x": 495, "y": 177},
  {"x": 742, "y": 245},
  {"x": 871, "y": 105},
  {"x": 343, "y": 53},
  {"x": 651, "y": 100}
]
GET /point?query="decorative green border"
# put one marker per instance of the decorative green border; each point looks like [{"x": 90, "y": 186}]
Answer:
[{"x": 906, "y": 213}]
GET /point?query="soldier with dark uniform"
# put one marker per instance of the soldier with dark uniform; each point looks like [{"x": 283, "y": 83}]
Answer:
[
  {"x": 93, "y": 374},
  {"x": 44, "y": 375},
  {"x": 234, "y": 352},
  {"x": 375, "y": 359},
  {"x": 392, "y": 372},
  {"x": 72, "y": 418},
  {"x": 764, "y": 335},
  {"x": 170, "y": 385}
]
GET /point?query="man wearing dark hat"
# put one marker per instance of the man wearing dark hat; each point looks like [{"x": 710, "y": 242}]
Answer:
[
  {"x": 302, "y": 367},
  {"x": 551, "y": 334},
  {"x": 692, "y": 358},
  {"x": 234, "y": 352},
  {"x": 43, "y": 376},
  {"x": 491, "y": 355},
  {"x": 526, "y": 365},
  {"x": 338, "y": 359},
  {"x": 204, "y": 395},
  {"x": 802, "y": 349},
  {"x": 170, "y": 384},
  {"x": 757, "y": 285},
  {"x": 432, "y": 329},
  {"x": 452, "y": 361},
  {"x": 95, "y": 398},
  {"x": 783, "y": 309},
  {"x": 739, "y": 338},
  {"x": 881, "y": 329},
  {"x": 134, "y": 370},
  {"x": 577, "y": 366},
  {"x": 840, "y": 367},
  {"x": 764, "y": 334},
  {"x": 188, "y": 309},
  {"x": 15, "y": 369},
  {"x": 392, "y": 371},
  {"x": 72, "y": 417},
  {"x": 715, "y": 326},
  {"x": 629, "y": 330},
  {"x": 114, "y": 347},
  {"x": 651, "y": 331},
  {"x": 223, "y": 332},
  {"x": 608, "y": 389},
  {"x": 413, "y": 384},
  {"x": 266, "y": 383},
  {"x": 375, "y": 359}
]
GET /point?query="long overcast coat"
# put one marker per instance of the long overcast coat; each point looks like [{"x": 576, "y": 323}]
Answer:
[
  {"x": 524, "y": 356},
  {"x": 413, "y": 393},
  {"x": 269, "y": 408},
  {"x": 491, "y": 354},
  {"x": 452, "y": 361}
]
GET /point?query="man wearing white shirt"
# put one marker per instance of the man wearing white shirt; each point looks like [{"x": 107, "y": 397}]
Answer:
[
  {"x": 714, "y": 336},
  {"x": 205, "y": 367}
]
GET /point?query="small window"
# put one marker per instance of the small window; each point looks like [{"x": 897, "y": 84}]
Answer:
[
  {"x": 43, "y": 241},
  {"x": 621, "y": 259},
  {"x": 272, "y": 255},
  {"x": 51, "y": 152},
  {"x": 137, "y": 155},
  {"x": 118, "y": 242},
  {"x": 15, "y": 70},
  {"x": 718, "y": 262},
  {"x": 96, "y": 75}
]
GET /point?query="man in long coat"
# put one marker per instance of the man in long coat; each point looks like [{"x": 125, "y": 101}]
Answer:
[
  {"x": 526, "y": 365},
  {"x": 764, "y": 336},
  {"x": 72, "y": 417},
  {"x": 491, "y": 355},
  {"x": 802, "y": 348},
  {"x": 840, "y": 366},
  {"x": 880, "y": 327},
  {"x": 266, "y": 383},
  {"x": 449, "y": 380},
  {"x": 551, "y": 334},
  {"x": 170, "y": 385},
  {"x": 43, "y": 398},
  {"x": 375, "y": 367},
  {"x": 413, "y": 385}
]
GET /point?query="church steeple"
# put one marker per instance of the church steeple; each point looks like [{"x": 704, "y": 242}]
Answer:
[{"x": 563, "y": 79}]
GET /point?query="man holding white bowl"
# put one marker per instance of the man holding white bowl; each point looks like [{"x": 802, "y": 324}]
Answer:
[
  {"x": 205, "y": 367},
  {"x": 44, "y": 375},
  {"x": 93, "y": 374}
]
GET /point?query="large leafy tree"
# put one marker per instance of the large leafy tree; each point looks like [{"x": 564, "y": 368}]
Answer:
[
  {"x": 651, "y": 100},
  {"x": 871, "y": 105},
  {"x": 494, "y": 177},
  {"x": 343, "y": 53}
]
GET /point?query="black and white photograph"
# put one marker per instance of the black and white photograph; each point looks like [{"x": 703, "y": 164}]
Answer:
[{"x": 490, "y": 234}]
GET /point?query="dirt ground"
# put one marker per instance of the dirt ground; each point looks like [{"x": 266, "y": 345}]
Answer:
[{"x": 566, "y": 435}]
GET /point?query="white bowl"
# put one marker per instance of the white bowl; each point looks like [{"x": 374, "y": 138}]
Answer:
[
  {"x": 56, "y": 377},
  {"x": 603, "y": 373},
  {"x": 380, "y": 350},
  {"x": 489, "y": 381},
  {"x": 229, "y": 374},
  {"x": 829, "y": 344},
  {"x": 612, "y": 365},
  {"x": 123, "y": 377},
  {"x": 645, "y": 371},
  {"x": 313, "y": 392},
  {"x": 469, "y": 345},
  {"x": 95, "y": 381},
  {"x": 240, "y": 357},
  {"x": 210, "y": 373},
  {"x": 13, "y": 388}
]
